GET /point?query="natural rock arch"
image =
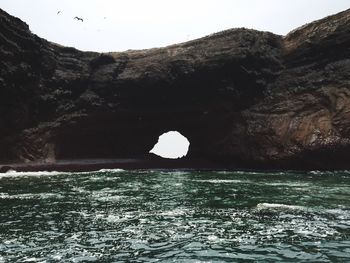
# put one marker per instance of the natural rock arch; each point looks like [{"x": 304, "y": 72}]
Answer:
[{"x": 246, "y": 98}]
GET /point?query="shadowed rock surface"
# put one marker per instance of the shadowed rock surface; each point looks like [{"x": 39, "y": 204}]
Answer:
[{"x": 243, "y": 98}]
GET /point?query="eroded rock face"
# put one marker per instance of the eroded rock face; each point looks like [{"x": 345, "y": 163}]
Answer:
[{"x": 245, "y": 98}]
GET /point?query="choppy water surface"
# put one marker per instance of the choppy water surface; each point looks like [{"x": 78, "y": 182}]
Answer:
[{"x": 172, "y": 216}]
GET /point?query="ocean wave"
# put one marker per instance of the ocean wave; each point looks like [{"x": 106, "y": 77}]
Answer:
[
  {"x": 175, "y": 212},
  {"x": 330, "y": 173},
  {"x": 341, "y": 213},
  {"x": 279, "y": 206},
  {"x": 173, "y": 172},
  {"x": 221, "y": 181},
  {"x": 116, "y": 170},
  {"x": 244, "y": 172},
  {"x": 30, "y": 196},
  {"x": 288, "y": 184},
  {"x": 13, "y": 173}
]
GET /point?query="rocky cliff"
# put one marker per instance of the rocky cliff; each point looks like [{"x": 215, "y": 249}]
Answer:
[{"x": 244, "y": 98}]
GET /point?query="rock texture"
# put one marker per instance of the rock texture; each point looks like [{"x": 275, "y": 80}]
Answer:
[{"x": 244, "y": 98}]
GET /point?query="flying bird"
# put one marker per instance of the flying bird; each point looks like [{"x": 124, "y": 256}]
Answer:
[
  {"x": 58, "y": 12},
  {"x": 79, "y": 19}
]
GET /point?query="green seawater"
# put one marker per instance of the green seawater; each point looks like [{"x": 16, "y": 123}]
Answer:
[{"x": 175, "y": 216}]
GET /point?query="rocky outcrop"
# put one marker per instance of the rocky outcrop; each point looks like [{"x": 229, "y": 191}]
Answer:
[{"x": 244, "y": 98}]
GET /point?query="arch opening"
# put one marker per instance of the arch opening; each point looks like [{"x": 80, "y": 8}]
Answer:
[{"x": 171, "y": 145}]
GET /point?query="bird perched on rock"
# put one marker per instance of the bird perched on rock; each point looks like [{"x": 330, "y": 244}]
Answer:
[{"x": 79, "y": 19}]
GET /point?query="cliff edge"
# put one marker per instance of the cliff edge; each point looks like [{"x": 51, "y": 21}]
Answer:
[{"x": 243, "y": 98}]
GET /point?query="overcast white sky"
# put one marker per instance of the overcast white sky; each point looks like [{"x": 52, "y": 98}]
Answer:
[{"x": 116, "y": 25}]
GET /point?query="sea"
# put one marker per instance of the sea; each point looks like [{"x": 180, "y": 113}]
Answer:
[{"x": 175, "y": 216}]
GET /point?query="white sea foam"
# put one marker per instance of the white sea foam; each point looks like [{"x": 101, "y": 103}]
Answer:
[
  {"x": 225, "y": 172},
  {"x": 316, "y": 172},
  {"x": 175, "y": 212},
  {"x": 30, "y": 196},
  {"x": 115, "y": 218},
  {"x": 213, "y": 238},
  {"x": 79, "y": 189},
  {"x": 223, "y": 181},
  {"x": 12, "y": 173},
  {"x": 174, "y": 173},
  {"x": 279, "y": 206},
  {"x": 288, "y": 184},
  {"x": 340, "y": 213},
  {"x": 117, "y": 170},
  {"x": 26, "y": 259},
  {"x": 99, "y": 178},
  {"x": 330, "y": 173},
  {"x": 247, "y": 173},
  {"x": 112, "y": 198}
]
